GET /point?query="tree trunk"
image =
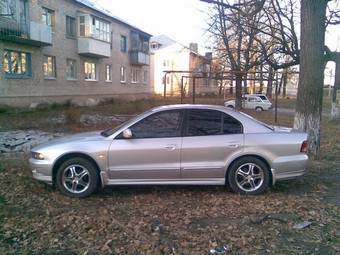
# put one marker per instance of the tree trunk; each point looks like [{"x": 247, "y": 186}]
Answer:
[
  {"x": 261, "y": 79},
  {"x": 280, "y": 85},
  {"x": 310, "y": 90},
  {"x": 284, "y": 88},
  {"x": 231, "y": 88},
  {"x": 238, "y": 100},
  {"x": 270, "y": 83},
  {"x": 245, "y": 85},
  {"x": 334, "y": 112}
]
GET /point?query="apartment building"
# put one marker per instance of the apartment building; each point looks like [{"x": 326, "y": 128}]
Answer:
[
  {"x": 172, "y": 62},
  {"x": 53, "y": 51}
]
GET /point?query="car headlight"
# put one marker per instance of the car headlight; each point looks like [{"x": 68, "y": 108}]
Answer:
[{"x": 37, "y": 155}]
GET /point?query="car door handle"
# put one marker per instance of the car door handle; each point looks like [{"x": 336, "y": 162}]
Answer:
[
  {"x": 170, "y": 147},
  {"x": 233, "y": 145}
]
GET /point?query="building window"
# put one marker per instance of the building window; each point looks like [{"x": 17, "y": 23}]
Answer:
[
  {"x": 123, "y": 43},
  {"x": 90, "y": 71},
  {"x": 5, "y": 8},
  {"x": 166, "y": 62},
  {"x": 134, "y": 75},
  {"x": 82, "y": 26},
  {"x": 108, "y": 73},
  {"x": 145, "y": 76},
  {"x": 71, "y": 69},
  {"x": 16, "y": 64},
  {"x": 71, "y": 30},
  {"x": 49, "y": 67},
  {"x": 48, "y": 17},
  {"x": 154, "y": 46},
  {"x": 101, "y": 30},
  {"x": 122, "y": 74}
]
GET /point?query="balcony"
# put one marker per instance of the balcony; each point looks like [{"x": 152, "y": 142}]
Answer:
[
  {"x": 90, "y": 47},
  {"x": 34, "y": 34},
  {"x": 139, "y": 58}
]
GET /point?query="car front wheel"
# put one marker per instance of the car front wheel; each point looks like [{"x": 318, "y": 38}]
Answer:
[
  {"x": 248, "y": 175},
  {"x": 77, "y": 177}
]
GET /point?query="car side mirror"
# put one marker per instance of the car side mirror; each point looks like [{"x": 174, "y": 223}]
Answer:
[{"x": 127, "y": 134}]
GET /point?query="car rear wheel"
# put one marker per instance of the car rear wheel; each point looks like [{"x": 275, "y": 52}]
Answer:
[
  {"x": 259, "y": 109},
  {"x": 77, "y": 177},
  {"x": 248, "y": 175}
]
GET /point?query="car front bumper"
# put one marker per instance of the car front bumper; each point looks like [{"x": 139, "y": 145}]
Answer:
[{"x": 41, "y": 170}]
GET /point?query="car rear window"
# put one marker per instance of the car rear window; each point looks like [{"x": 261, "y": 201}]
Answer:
[{"x": 211, "y": 122}]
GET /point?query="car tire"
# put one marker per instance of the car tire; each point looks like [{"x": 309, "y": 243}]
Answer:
[
  {"x": 248, "y": 175},
  {"x": 259, "y": 109},
  {"x": 77, "y": 177}
]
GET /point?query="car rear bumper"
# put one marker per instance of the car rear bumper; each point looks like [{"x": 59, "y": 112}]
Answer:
[{"x": 289, "y": 167}]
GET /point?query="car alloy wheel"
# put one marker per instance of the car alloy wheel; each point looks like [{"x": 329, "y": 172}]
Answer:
[
  {"x": 249, "y": 177},
  {"x": 76, "y": 179}
]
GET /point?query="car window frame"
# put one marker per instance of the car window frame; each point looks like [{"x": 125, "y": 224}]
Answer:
[
  {"x": 185, "y": 123},
  {"x": 181, "y": 111}
]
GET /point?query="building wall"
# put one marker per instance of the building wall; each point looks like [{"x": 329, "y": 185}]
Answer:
[
  {"x": 39, "y": 89},
  {"x": 171, "y": 58},
  {"x": 176, "y": 57}
]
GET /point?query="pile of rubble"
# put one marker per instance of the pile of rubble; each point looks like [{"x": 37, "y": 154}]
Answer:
[
  {"x": 23, "y": 140},
  {"x": 90, "y": 120}
]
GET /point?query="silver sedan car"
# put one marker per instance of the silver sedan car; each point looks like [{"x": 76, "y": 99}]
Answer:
[{"x": 177, "y": 144}]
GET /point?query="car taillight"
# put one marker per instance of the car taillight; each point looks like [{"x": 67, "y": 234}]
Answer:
[{"x": 304, "y": 147}]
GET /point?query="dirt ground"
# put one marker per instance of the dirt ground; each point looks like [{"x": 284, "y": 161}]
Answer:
[{"x": 37, "y": 219}]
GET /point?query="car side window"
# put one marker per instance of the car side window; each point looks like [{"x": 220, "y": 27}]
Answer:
[
  {"x": 203, "y": 122},
  {"x": 231, "y": 125},
  {"x": 159, "y": 125}
]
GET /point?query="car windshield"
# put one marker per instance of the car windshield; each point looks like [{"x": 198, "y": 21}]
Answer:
[
  {"x": 264, "y": 98},
  {"x": 111, "y": 131},
  {"x": 260, "y": 122}
]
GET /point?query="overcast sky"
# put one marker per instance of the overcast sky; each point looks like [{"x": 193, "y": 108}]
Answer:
[{"x": 181, "y": 20}]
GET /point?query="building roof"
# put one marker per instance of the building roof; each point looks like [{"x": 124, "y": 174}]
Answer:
[
  {"x": 95, "y": 6},
  {"x": 163, "y": 41}
]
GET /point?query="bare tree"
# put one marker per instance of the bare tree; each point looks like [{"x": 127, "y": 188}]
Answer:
[
  {"x": 312, "y": 64},
  {"x": 234, "y": 40}
]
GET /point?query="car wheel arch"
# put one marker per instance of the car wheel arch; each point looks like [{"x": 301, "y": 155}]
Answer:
[
  {"x": 70, "y": 155},
  {"x": 249, "y": 155}
]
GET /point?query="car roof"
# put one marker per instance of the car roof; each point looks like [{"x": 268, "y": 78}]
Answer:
[{"x": 189, "y": 106}]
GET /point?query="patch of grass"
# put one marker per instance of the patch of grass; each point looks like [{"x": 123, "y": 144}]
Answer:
[
  {"x": 2, "y": 200},
  {"x": 2, "y": 166},
  {"x": 5, "y": 109}
]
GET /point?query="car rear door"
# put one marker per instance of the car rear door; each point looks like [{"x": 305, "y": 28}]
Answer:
[
  {"x": 153, "y": 153},
  {"x": 209, "y": 138}
]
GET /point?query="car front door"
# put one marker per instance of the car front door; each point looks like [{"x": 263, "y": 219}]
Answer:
[
  {"x": 153, "y": 151},
  {"x": 209, "y": 138}
]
